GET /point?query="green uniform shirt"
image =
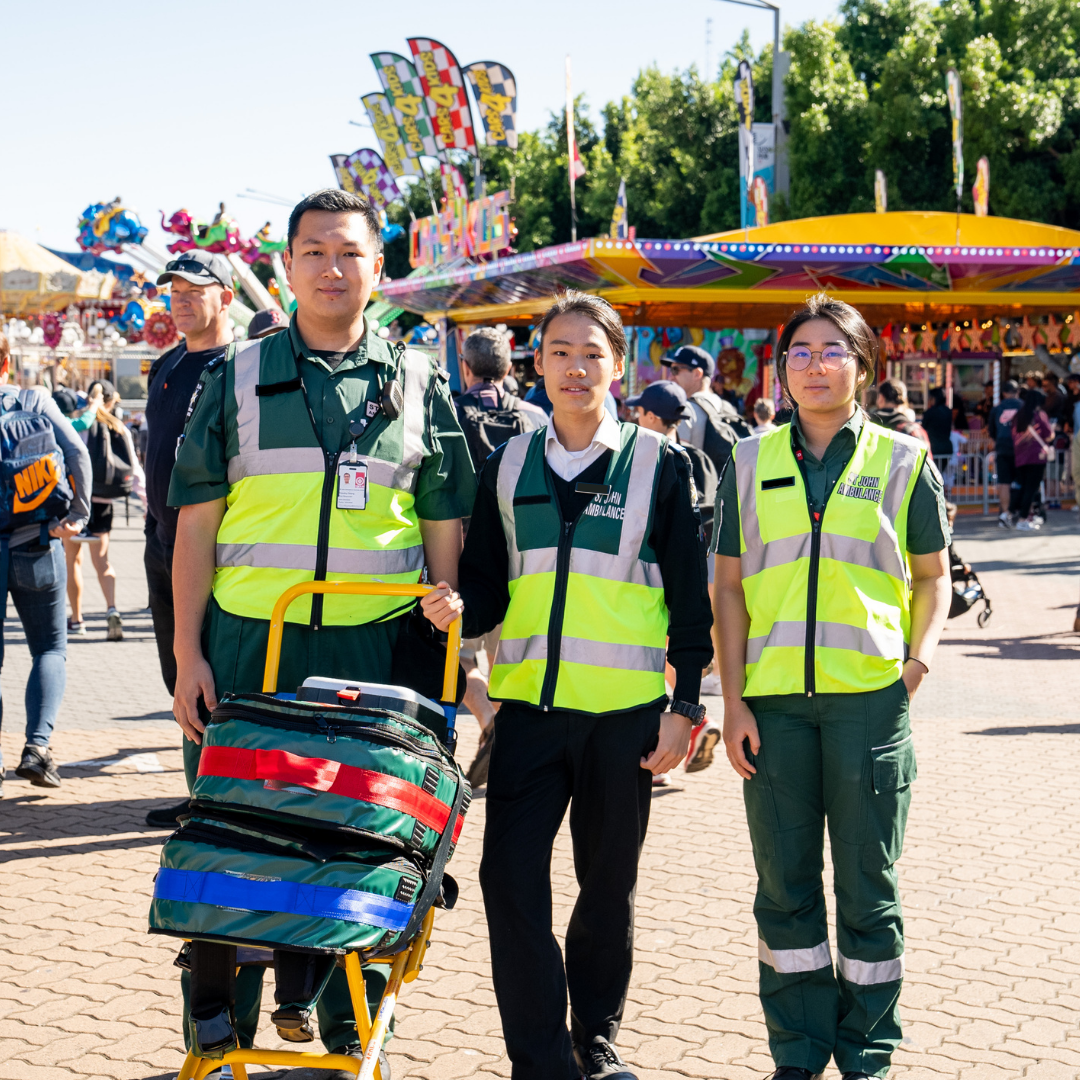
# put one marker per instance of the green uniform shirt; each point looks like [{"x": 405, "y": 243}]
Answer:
[
  {"x": 336, "y": 396},
  {"x": 928, "y": 525}
]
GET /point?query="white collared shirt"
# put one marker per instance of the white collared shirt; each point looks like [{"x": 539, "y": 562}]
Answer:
[{"x": 571, "y": 463}]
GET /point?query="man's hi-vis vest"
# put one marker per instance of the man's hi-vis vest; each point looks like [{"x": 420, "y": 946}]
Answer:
[
  {"x": 282, "y": 526},
  {"x": 587, "y": 623},
  {"x": 829, "y": 600}
]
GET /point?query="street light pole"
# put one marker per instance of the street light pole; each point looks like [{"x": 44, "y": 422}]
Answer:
[{"x": 781, "y": 62}]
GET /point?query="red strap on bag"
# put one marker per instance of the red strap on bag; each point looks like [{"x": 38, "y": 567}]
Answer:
[{"x": 322, "y": 774}]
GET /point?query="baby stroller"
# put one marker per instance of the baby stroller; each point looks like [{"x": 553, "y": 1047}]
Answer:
[
  {"x": 967, "y": 590},
  {"x": 320, "y": 827}
]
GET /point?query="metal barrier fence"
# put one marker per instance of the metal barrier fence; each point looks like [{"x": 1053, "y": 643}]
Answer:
[{"x": 971, "y": 479}]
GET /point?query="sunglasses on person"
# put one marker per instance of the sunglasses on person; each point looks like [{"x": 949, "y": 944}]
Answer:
[{"x": 833, "y": 357}]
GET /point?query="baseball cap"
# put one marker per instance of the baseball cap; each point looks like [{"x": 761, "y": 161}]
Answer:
[
  {"x": 200, "y": 268},
  {"x": 666, "y": 399},
  {"x": 691, "y": 356},
  {"x": 266, "y": 322}
]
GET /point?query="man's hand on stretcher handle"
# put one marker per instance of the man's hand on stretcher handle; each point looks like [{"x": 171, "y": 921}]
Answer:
[{"x": 442, "y": 606}]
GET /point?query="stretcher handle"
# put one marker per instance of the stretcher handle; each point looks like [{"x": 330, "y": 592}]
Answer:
[{"x": 356, "y": 588}]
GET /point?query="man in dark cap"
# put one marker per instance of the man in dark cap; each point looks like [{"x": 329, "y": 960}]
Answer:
[
  {"x": 713, "y": 426},
  {"x": 202, "y": 290},
  {"x": 266, "y": 322}
]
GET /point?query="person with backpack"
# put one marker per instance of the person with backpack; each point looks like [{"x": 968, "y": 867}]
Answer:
[
  {"x": 892, "y": 410},
  {"x": 44, "y": 497},
  {"x": 489, "y": 415},
  {"x": 584, "y": 544},
  {"x": 715, "y": 425},
  {"x": 116, "y": 470},
  {"x": 1033, "y": 437},
  {"x": 999, "y": 427}
]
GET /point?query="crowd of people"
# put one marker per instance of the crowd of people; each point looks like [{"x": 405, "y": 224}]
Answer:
[{"x": 602, "y": 588}]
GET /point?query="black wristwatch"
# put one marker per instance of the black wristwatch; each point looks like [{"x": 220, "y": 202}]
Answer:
[{"x": 695, "y": 713}]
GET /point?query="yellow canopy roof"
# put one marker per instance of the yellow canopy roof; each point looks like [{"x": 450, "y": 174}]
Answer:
[
  {"x": 921, "y": 228},
  {"x": 33, "y": 280}
]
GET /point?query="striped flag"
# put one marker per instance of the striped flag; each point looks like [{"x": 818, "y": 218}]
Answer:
[
  {"x": 372, "y": 177},
  {"x": 495, "y": 91},
  {"x": 444, "y": 94},
  {"x": 620, "y": 227},
  {"x": 405, "y": 93},
  {"x": 386, "y": 131}
]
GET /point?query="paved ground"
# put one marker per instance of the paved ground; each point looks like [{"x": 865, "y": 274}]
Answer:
[{"x": 989, "y": 875}]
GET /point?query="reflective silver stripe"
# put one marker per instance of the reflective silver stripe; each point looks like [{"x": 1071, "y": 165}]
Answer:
[
  {"x": 310, "y": 459},
  {"x": 575, "y": 650},
  {"x": 246, "y": 364},
  {"x": 513, "y": 461},
  {"x": 905, "y": 456},
  {"x": 780, "y": 552},
  {"x": 782, "y": 634},
  {"x": 746, "y": 458},
  {"x": 881, "y": 554},
  {"x": 873, "y": 641},
  {"x": 538, "y": 561},
  {"x": 639, "y": 493},
  {"x": 417, "y": 375},
  {"x": 867, "y": 973},
  {"x": 793, "y": 961},
  {"x": 629, "y": 569},
  {"x": 339, "y": 560}
]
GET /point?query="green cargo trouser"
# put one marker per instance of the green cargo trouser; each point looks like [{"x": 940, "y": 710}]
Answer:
[
  {"x": 847, "y": 759},
  {"x": 236, "y": 649}
]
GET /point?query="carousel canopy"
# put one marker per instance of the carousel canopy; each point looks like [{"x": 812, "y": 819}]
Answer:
[
  {"x": 906, "y": 266},
  {"x": 33, "y": 280}
]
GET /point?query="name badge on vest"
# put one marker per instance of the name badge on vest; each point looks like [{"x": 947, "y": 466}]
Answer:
[{"x": 352, "y": 489}]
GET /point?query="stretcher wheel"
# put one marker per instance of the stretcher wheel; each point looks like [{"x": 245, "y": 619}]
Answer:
[{"x": 984, "y": 617}]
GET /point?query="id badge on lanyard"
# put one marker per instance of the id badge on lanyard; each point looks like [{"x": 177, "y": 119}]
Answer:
[{"x": 352, "y": 488}]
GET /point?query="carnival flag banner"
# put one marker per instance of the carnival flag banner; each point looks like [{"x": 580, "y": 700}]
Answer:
[
  {"x": 620, "y": 226},
  {"x": 956, "y": 110},
  {"x": 386, "y": 131},
  {"x": 760, "y": 199},
  {"x": 495, "y": 91},
  {"x": 881, "y": 192},
  {"x": 744, "y": 104},
  {"x": 372, "y": 176},
  {"x": 453, "y": 183},
  {"x": 342, "y": 174},
  {"x": 444, "y": 94},
  {"x": 406, "y": 96},
  {"x": 980, "y": 190}
]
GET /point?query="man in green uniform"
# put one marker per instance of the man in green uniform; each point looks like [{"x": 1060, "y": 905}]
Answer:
[{"x": 318, "y": 453}]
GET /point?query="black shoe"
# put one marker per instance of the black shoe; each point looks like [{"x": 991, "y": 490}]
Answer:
[
  {"x": 791, "y": 1072},
  {"x": 165, "y": 818},
  {"x": 857, "y": 1076},
  {"x": 600, "y": 1061},
  {"x": 38, "y": 767},
  {"x": 356, "y": 1051}
]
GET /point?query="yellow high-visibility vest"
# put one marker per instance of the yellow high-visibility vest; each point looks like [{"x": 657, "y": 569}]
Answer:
[
  {"x": 282, "y": 525},
  {"x": 829, "y": 600},
  {"x": 586, "y": 628}
]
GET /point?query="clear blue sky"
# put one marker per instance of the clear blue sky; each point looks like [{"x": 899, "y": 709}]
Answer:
[{"x": 188, "y": 103}]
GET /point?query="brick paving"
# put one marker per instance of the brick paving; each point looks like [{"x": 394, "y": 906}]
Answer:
[{"x": 989, "y": 876}]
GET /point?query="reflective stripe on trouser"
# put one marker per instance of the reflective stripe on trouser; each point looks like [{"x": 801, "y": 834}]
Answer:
[{"x": 846, "y": 759}]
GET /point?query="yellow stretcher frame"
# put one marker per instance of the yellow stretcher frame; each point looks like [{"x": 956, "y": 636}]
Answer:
[{"x": 405, "y": 964}]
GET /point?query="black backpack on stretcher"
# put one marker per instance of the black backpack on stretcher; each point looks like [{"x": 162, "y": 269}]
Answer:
[{"x": 320, "y": 826}]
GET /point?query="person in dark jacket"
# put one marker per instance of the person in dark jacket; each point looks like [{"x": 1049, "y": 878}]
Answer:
[
  {"x": 1000, "y": 428},
  {"x": 937, "y": 420}
]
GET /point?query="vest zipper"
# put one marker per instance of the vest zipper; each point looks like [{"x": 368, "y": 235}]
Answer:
[
  {"x": 811, "y": 600},
  {"x": 558, "y": 611},
  {"x": 322, "y": 549}
]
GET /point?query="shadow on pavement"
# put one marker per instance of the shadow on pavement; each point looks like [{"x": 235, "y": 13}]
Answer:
[
  {"x": 31, "y": 820},
  {"x": 1030, "y": 729},
  {"x": 160, "y": 714},
  {"x": 1036, "y": 647}
]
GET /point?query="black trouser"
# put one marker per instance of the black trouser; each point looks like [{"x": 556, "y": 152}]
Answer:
[
  {"x": 1025, "y": 486},
  {"x": 157, "y": 558},
  {"x": 540, "y": 763}
]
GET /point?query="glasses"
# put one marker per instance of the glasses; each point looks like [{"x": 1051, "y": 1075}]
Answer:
[
  {"x": 833, "y": 357},
  {"x": 186, "y": 264}
]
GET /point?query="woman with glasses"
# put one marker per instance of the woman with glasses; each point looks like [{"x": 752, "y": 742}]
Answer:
[{"x": 832, "y": 586}]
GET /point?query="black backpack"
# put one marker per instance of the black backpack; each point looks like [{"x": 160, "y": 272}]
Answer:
[
  {"x": 721, "y": 434},
  {"x": 487, "y": 429},
  {"x": 34, "y": 488},
  {"x": 109, "y": 459}
]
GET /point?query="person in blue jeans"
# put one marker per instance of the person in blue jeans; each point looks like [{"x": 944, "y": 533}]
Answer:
[{"x": 36, "y": 582}]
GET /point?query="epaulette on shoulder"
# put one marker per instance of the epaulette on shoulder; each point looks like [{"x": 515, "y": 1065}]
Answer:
[{"x": 213, "y": 365}]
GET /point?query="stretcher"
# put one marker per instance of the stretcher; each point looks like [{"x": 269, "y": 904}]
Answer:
[{"x": 405, "y": 964}]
